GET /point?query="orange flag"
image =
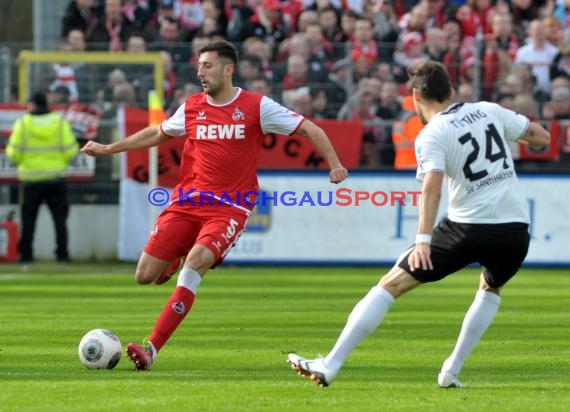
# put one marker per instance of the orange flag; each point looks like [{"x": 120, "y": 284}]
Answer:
[{"x": 156, "y": 113}]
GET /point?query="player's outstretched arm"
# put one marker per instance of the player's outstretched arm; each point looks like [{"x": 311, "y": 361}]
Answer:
[
  {"x": 143, "y": 139},
  {"x": 429, "y": 205},
  {"x": 535, "y": 136},
  {"x": 320, "y": 140}
]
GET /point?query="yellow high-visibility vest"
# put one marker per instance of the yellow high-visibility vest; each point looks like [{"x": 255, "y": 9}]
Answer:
[{"x": 41, "y": 146}]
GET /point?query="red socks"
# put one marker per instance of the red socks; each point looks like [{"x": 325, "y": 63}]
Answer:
[{"x": 173, "y": 313}]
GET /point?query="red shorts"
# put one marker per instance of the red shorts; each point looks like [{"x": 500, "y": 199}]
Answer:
[{"x": 178, "y": 228}]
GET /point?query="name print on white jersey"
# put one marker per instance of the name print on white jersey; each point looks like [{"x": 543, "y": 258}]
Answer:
[
  {"x": 468, "y": 119},
  {"x": 220, "y": 131}
]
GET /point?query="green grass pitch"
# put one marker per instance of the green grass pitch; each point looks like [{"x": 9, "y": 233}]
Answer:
[{"x": 229, "y": 354}]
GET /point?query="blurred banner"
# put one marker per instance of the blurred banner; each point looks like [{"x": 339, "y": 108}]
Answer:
[{"x": 297, "y": 152}]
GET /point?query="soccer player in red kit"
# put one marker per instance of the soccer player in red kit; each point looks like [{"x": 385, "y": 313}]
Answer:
[{"x": 223, "y": 128}]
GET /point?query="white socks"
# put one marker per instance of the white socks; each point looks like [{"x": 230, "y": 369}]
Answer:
[
  {"x": 476, "y": 321},
  {"x": 369, "y": 312},
  {"x": 363, "y": 320},
  {"x": 190, "y": 279}
]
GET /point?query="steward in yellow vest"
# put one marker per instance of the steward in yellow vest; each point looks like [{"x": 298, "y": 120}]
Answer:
[{"x": 41, "y": 146}]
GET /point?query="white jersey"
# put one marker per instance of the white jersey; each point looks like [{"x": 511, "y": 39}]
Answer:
[{"x": 468, "y": 142}]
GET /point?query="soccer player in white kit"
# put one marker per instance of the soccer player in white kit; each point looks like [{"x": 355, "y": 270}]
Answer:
[{"x": 487, "y": 220}]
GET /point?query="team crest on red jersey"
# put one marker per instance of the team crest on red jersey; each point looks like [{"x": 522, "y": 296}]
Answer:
[{"x": 238, "y": 115}]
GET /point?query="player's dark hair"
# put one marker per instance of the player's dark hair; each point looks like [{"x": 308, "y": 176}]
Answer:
[
  {"x": 432, "y": 80},
  {"x": 224, "y": 48}
]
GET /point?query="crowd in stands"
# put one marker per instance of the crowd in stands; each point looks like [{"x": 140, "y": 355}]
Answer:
[{"x": 342, "y": 59}]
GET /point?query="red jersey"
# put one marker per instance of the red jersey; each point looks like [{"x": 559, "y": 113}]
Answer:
[
  {"x": 369, "y": 51},
  {"x": 223, "y": 143},
  {"x": 472, "y": 21}
]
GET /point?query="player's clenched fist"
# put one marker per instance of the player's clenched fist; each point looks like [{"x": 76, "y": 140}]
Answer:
[
  {"x": 95, "y": 149},
  {"x": 338, "y": 175}
]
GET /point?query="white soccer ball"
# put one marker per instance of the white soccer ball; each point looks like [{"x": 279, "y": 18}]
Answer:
[{"x": 100, "y": 349}]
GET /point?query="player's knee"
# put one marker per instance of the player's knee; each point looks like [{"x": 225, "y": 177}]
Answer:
[
  {"x": 143, "y": 276},
  {"x": 397, "y": 282},
  {"x": 197, "y": 264},
  {"x": 200, "y": 262}
]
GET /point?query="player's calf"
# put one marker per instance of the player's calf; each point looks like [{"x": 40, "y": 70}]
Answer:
[{"x": 172, "y": 268}]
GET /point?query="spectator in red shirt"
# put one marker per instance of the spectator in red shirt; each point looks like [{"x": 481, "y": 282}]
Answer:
[
  {"x": 213, "y": 9},
  {"x": 503, "y": 34},
  {"x": 170, "y": 80},
  {"x": 474, "y": 17},
  {"x": 436, "y": 43},
  {"x": 329, "y": 21},
  {"x": 268, "y": 23},
  {"x": 501, "y": 46},
  {"x": 111, "y": 30},
  {"x": 190, "y": 12},
  {"x": 254, "y": 46},
  {"x": 305, "y": 18},
  {"x": 322, "y": 49},
  {"x": 347, "y": 23},
  {"x": 170, "y": 39},
  {"x": 366, "y": 112},
  {"x": 364, "y": 46},
  {"x": 415, "y": 20},
  {"x": 438, "y": 13},
  {"x": 297, "y": 74},
  {"x": 412, "y": 52},
  {"x": 139, "y": 12},
  {"x": 300, "y": 44}
]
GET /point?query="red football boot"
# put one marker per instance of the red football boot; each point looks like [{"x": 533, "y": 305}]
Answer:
[{"x": 141, "y": 356}]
